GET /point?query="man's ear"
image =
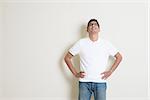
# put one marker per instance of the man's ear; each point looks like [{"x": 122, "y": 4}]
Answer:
[
  {"x": 87, "y": 29},
  {"x": 98, "y": 29}
]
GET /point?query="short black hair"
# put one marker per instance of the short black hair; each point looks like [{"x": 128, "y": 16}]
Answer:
[{"x": 95, "y": 20}]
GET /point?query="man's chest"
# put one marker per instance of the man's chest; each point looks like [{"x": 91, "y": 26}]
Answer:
[{"x": 93, "y": 51}]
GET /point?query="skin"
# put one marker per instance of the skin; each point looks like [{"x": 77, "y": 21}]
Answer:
[{"x": 93, "y": 31}]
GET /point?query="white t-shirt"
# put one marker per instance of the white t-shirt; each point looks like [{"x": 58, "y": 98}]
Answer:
[{"x": 93, "y": 57}]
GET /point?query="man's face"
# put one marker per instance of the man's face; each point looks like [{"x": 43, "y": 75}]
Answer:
[{"x": 93, "y": 27}]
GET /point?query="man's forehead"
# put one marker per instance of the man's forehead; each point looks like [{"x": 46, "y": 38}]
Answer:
[{"x": 93, "y": 22}]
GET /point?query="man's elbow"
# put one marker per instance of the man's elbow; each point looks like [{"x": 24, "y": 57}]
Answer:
[
  {"x": 118, "y": 56},
  {"x": 65, "y": 58}
]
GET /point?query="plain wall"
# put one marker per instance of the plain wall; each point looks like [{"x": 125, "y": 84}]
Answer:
[
  {"x": 37, "y": 36},
  {"x": 1, "y": 43}
]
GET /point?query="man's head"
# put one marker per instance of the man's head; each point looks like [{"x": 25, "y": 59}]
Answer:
[{"x": 93, "y": 26}]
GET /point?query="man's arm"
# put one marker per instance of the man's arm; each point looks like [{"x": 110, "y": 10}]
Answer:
[
  {"x": 118, "y": 59},
  {"x": 68, "y": 61}
]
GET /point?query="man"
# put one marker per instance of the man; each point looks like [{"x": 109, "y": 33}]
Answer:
[{"x": 94, "y": 53}]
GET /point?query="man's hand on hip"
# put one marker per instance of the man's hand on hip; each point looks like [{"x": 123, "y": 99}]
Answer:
[
  {"x": 106, "y": 74},
  {"x": 80, "y": 75}
]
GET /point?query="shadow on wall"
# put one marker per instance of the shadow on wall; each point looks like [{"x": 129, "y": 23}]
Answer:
[{"x": 71, "y": 80}]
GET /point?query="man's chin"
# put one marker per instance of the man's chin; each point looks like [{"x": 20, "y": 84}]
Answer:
[{"x": 94, "y": 32}]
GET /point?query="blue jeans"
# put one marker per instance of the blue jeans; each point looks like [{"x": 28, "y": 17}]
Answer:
[{"x": 86, "y": 89}]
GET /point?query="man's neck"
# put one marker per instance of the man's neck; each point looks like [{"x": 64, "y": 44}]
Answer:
[{"x": 93, "y": 37}]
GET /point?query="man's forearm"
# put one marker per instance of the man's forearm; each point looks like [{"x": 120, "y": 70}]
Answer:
[
  {"x": 70, "y": 66},
  {"x": 68, "y": 61},
  {"x": 117, "y": 62}
]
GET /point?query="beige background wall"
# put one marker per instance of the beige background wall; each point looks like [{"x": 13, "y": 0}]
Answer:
[
  {"x": 36, "y": 35},
  {"x": 1, "y": 49}
]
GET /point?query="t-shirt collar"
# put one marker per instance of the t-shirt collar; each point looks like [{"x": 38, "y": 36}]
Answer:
[{"x": 94, "y": 41}]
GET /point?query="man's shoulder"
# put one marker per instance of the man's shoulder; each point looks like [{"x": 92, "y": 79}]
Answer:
[
  {"x": 83, "y": 39},
  {"x": 104, "y": 40},
  {"x": 107, "y": 42}
]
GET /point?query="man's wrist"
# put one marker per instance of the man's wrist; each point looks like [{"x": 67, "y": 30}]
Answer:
[
  {"x": 111, "y": 70},
  {"x": 76, "y": 74}
]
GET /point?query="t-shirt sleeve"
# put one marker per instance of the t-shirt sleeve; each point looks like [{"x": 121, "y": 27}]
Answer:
[
  {"x": 75, "y": 49},
  {"x": 112, "y": 50}
]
